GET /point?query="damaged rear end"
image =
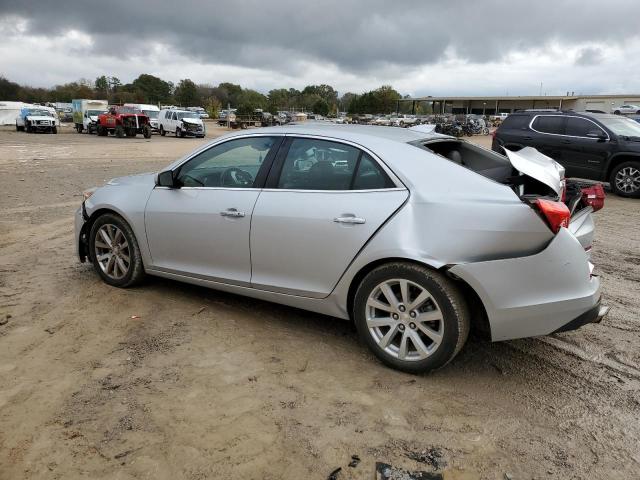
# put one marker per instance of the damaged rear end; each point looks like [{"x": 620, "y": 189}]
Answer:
[{"x": 554, "y": 289}]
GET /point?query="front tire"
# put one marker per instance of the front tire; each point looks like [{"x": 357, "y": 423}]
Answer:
[
  {"x": 412, "y": 318},
  {"x": 146, "y": 131},
  {"x": 625, "y": 179},
  {"x": 119, "y": 131},
  {"x": 54, "y": 130},
  {"x": 115, "y": 252},
  {"x": 162, "y": 132}
]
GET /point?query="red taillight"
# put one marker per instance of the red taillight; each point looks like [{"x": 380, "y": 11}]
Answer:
[
  {"x": 556, "y": 213},
  {"x": 594, "y": 196}
]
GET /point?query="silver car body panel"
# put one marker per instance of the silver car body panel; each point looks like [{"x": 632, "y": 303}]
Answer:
[
  {"x": 440, "y": 214},
  {"x": 553, "y": 287}
]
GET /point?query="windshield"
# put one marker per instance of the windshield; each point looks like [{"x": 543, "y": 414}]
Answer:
[
  {"x": 621, "y": 126},
  {"x": 42, "y": 113},
  {"x": 151, "y": 113},
  {"x": 182, "y": 115}
]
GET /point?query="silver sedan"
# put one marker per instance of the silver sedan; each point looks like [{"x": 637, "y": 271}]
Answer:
[{"x": 416, "y": 237}]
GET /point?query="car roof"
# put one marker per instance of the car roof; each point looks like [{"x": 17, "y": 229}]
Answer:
[
  {"x": 353, "y": 133},
  {"x": 594, "y": 115}
]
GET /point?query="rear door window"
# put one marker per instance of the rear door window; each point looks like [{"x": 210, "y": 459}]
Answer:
[{"x": 553, "y": 124}]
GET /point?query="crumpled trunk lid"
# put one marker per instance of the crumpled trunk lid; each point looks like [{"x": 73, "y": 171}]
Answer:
[{"x": 529, "y": 161}]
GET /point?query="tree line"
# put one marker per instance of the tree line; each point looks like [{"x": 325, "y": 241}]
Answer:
[{"x": 320, "y": 99}]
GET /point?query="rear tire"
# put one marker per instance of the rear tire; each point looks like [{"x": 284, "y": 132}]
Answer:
[
  {"x": 425, "y": 329},
  {"x": 617, "y": 112},
  {"x": 625, "y": 179},
  {"x": 119, "y": 131},
  {"x": 109, "y": 263}
]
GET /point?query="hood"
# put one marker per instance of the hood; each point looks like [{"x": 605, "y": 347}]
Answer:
[
  {"x": 424, "y": 128},
  {"x": 142, "y": 179},
  {"x": 531, "y": 162},
  {"x": 40, "y": 117},
  {"x": 194, "y": 121}
]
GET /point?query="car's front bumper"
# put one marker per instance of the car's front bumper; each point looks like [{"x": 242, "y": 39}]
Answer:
[
  {"x": 538, "y": 294},
  {"x": 79, "y": 221}
]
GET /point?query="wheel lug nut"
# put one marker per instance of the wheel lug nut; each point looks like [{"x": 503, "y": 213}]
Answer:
[
  {"x": 401, "y": 327},
  {"x": 412, "y": 326},
  {"x": 412, "y": 314},
  {"x": 395, "y": 316},
  {"x": 402, "y": 308}
]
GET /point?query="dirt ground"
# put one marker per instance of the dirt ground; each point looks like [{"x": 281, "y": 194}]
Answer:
[{"x": 171, "y": 381}]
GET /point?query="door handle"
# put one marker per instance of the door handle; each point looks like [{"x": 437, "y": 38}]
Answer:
[
  {"x": 349, "y": 220},
  {"x": 232, "y": 212}
]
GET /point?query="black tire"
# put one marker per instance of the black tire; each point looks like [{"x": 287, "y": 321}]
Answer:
[
  {"x": 119, "y": 131},
  {"x": 146, "y": 131},
  {"x": 162, "y": 132},
  {"x": 17, "y": 127},
  {"x": 54, "y": 130},
  {"x": 617, "y": 112},
  {"x": 79, "y": 128},
  {"x": 27, "y": 127},
  {"x": 102, "y": 131},
  {"x": 131, "y": 132},
  {"x": 135, "y": 273},
  {"x": 177, "y": 132},
  {"x": 453, "y": 308},
  {"x": 616, "y": 188}
]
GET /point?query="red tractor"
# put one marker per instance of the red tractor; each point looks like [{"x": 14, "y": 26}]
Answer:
[{"x": 121, "y": 121}]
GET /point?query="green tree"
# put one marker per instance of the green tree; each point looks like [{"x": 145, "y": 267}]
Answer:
[
  {"x": 101, "y": 86},
  {"x": 9, "y": 90},
  {"x": 251, "y": 100},
  {"x": 321, "y": 107},
  {"x": 153, "y": 89}
]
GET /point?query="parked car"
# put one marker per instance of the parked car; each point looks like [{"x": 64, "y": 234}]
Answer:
[
  {"x": 405, "y": 120},
  {"x": 181, "y": 123},
  {"x": 36, "y": 118},
  {"x": 434, "y": 234},
  {"x": 200, "y": 111},
  {"x": 626, "y": 109},
  {"x": 383, "y": 120},
  {"x": 592, "y": 146},
  {"x": 123, "y": 121}
]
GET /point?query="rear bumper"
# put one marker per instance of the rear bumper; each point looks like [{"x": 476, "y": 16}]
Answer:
[
  {"x": 593, "y": 315},
  {"x": 539, "y": 294}
]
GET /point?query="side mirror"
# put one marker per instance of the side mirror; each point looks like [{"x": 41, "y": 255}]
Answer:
[
  {"x": 600, "y": 135},
  {"x": 165, "y": 179}
]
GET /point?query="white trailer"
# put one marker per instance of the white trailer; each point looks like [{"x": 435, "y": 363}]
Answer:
[{"x": 85, "y": 113}]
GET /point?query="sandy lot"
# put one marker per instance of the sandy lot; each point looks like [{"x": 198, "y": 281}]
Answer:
[{"x": 208, "y": 385}]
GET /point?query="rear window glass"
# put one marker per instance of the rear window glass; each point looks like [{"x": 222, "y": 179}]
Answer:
[
  {"x": 516, "y": 122},
  {"x": 549, "y": 124}
]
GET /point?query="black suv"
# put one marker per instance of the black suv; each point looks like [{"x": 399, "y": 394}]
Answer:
[{"x": 593, "y": 146}]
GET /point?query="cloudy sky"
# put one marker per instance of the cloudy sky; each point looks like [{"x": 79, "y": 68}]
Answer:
[{"x": 420, "y": 47}]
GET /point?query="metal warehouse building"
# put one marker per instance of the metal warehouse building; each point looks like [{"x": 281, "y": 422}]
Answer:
[{"x": 509, "y": 104}]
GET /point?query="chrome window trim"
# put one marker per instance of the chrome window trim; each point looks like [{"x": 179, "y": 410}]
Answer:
[{"x": 563, "y": 135}]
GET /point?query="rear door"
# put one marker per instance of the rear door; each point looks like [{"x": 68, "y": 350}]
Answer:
[
  {"x": 548, "y": 136},
  {"x": 324, "y": 200}
]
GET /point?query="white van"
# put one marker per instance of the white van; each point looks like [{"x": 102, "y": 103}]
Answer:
[
  {"x": 150, "y": 111},
  {"x": 181, "y": 123}
]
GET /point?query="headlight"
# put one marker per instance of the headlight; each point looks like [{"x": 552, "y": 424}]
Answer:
[{"x": 87, "y": 193}]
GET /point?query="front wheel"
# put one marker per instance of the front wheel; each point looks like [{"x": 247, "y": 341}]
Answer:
[
  {"x": 625, "y": 179},
  {"x": 412, "y": 318},
  {"x": 146, "y": 131},
  {"x": 120, "y": 131},
  {"x": 114, "y": 251},
  {"x": 54, "y": 130},
  {"x": 162, "y": 132},
  {"x": 178, "y": 133},
  {"x": 617, "y": 112}
]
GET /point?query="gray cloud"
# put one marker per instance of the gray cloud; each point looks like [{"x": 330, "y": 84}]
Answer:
[
  {"x": 358, "y": 38},
  {"x": 589, "y": 56},
  {"x": 355, "y": 35}
]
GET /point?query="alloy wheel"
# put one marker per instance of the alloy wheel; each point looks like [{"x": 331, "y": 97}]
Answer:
[
  {"x": 627, "y": 179},
  {"x": 404, "y": 319},
  {"x": 112, "y": 251}
]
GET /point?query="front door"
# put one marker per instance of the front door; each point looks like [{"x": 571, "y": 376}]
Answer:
[
  {"x": 325, "y": 200},
  {"x": 586, "y": 150},
  {"x": 201, "y": 228}
]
